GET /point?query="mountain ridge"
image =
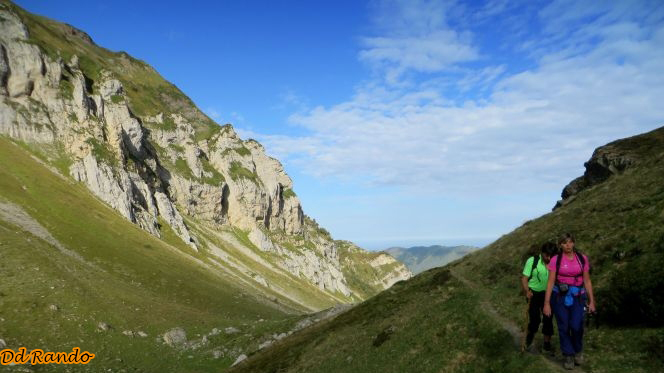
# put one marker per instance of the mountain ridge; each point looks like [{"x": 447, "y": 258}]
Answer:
[
  {"x": 134, "y": 226},
  {"x": 421, "y": 258},
  {"x": 140, "y": 145}
]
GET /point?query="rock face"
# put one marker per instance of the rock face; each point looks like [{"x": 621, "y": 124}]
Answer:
[
  {"x": 607, "y": 161},
  {"x": 384, "y": 270},
  {"x": 390, "y": 277},
  {"x": 144, "y": 149}
]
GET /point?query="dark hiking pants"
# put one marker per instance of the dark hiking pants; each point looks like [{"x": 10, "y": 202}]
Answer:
[{"x": 535, "y": 316}]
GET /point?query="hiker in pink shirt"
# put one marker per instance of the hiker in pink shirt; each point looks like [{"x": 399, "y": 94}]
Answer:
[{"x": 568, "y": 289}]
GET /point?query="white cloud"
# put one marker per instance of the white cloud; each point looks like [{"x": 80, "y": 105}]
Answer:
[
  {"x": 217, "y": 116},
  {"x": 434, "y": 51},
  {"x": 417, "y": 37},
  {"x": 399, "y": 17},
  {"x": 237, "y": 117},
  {"x": 532, "y": 129},
  {"x": 480, "y": 79},
  {"x": 290, "y": 100},
  {"x": 213, "y": 113}
]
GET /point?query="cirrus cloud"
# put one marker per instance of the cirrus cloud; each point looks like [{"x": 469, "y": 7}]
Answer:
[{"x": 442, "y": 116}]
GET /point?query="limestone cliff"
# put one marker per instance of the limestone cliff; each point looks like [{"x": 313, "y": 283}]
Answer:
[{"x": 141, "y": 146}]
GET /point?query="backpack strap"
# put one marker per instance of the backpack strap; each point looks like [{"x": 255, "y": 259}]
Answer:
[
  {"x": 582, "y": 260},
  {"x": 532, "y": 269},
  {"x": 579, "y": 258}
]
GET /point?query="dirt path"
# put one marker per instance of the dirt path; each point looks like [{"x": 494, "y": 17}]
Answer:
[
  {"x": 515, "y": 331},
  {"x": 15, "y": 215}
]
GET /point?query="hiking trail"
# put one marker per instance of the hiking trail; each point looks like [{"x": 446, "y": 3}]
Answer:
[{"x": 555, "y": 362}]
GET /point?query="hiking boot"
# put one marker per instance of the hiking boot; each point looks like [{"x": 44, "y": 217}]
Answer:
[
  {"x": 529, "y": 340},
  {"x": 569, "y": 362},
  {"x": 578, "y": 359},
  {"x": 548, "y": 348}
]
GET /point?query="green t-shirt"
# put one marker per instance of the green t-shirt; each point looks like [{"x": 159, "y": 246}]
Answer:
[{"x": 540, "y": 275}]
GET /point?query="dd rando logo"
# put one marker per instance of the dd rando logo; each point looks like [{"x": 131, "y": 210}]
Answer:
[{"x": 38, "y": 356}]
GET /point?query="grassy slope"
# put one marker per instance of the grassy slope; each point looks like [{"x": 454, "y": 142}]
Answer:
[
  {"x": 296, "y": 287},
  {"x": 432, "y": 323},
  {"x": 138, "y": 282},
  {"x": 619, "y": 224}
]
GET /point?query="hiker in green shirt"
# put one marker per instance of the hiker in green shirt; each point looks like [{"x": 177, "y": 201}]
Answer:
[{"x": 534, "y": 279}]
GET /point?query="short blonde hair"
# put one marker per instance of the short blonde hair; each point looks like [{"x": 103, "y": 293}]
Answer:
[{"x": 566, "y": 237}]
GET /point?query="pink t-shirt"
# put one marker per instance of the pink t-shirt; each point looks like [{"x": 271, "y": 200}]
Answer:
[{"x": 570, "y": 272}]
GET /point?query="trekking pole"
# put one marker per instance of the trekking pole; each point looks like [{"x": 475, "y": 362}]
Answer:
[
  {"x": 523, "y": 339},
  {"x": 590, "y": 316}
]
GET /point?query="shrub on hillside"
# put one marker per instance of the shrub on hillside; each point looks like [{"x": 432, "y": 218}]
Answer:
[{"x": 634, "y": 293}]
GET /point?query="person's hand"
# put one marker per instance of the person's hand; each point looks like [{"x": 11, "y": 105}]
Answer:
[
  {"x": 547, "y": 310},
  {"x": 591, "y": 307},
  {"x": 529, "y": 294}
]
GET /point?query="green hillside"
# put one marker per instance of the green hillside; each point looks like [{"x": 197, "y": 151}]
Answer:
[
  {"x": 458, "y": 318},
  {"x": 107, "y": 270}
]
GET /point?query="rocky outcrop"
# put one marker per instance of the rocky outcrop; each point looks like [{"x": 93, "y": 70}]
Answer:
[
  {"x": 399, "y": 272},
  {"x": 378, "y": 270},
  {"x": 144, "y": 149},
  {"x": 172, "y": 217},
  {"x": 319, "y": 265},
  {"x": 104, "y": 184},
  {"x": 176, "y": 337},
  {"x": 606, "y": 161}
]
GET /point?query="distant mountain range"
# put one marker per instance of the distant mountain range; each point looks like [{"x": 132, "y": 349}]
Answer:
[{"x": 420, "y": 258}]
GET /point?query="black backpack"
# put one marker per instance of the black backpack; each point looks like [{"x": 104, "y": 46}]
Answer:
[{"x": 536, "y": 259}]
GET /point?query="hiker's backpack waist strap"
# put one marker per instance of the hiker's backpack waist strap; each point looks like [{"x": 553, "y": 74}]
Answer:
[{"x": 574, "y": 290}]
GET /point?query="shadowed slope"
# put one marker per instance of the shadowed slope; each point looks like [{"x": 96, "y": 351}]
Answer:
[{"x": 98, "y": 267}]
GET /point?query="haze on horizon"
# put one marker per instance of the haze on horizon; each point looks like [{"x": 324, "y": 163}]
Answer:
[{"x": 407, "y": 123}]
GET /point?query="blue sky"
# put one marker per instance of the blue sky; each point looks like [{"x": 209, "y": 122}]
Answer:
[{"x": 407, "y": 122}]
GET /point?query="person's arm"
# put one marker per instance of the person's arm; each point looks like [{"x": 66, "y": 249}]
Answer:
[
  {"x": 525, "y": 275},
  {"x": 547, "y": 296},
  {"x": 589, "y": 290},
  {"x": 526, "y": 289}
]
